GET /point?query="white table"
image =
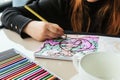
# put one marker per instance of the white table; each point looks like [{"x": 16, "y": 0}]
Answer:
[{"x": 64, "y": 69}]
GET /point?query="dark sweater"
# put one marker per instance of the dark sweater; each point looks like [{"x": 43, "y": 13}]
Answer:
[{"x": 55, "y": 11}]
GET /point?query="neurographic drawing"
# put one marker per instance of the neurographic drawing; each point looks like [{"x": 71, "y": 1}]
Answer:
[{"x": 69, "y": 46}]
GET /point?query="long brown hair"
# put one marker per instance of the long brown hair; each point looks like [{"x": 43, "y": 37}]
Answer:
[{"x": 111, "y": 7}]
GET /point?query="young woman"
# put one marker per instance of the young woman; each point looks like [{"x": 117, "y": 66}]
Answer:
[{"x": 90, "y": 16}]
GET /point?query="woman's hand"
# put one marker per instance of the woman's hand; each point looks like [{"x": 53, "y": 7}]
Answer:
[{"x": 43, "y": 30}]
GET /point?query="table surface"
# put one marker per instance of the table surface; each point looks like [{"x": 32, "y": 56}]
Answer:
[{"x": 64, "y": 69}]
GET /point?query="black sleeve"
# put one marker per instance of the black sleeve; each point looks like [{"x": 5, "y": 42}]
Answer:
[{"x": 16, "y": 18}]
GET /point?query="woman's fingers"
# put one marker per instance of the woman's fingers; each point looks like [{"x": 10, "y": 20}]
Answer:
[
  {"x": 56, "y": 29},
  {"x": 41, "y": 31},
  {"x": 52, "y": 35}
]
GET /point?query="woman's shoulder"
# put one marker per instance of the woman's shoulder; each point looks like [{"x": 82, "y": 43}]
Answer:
[
  {"x": 55, "y": 4},
  {"x": 54, "y": 1}
]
